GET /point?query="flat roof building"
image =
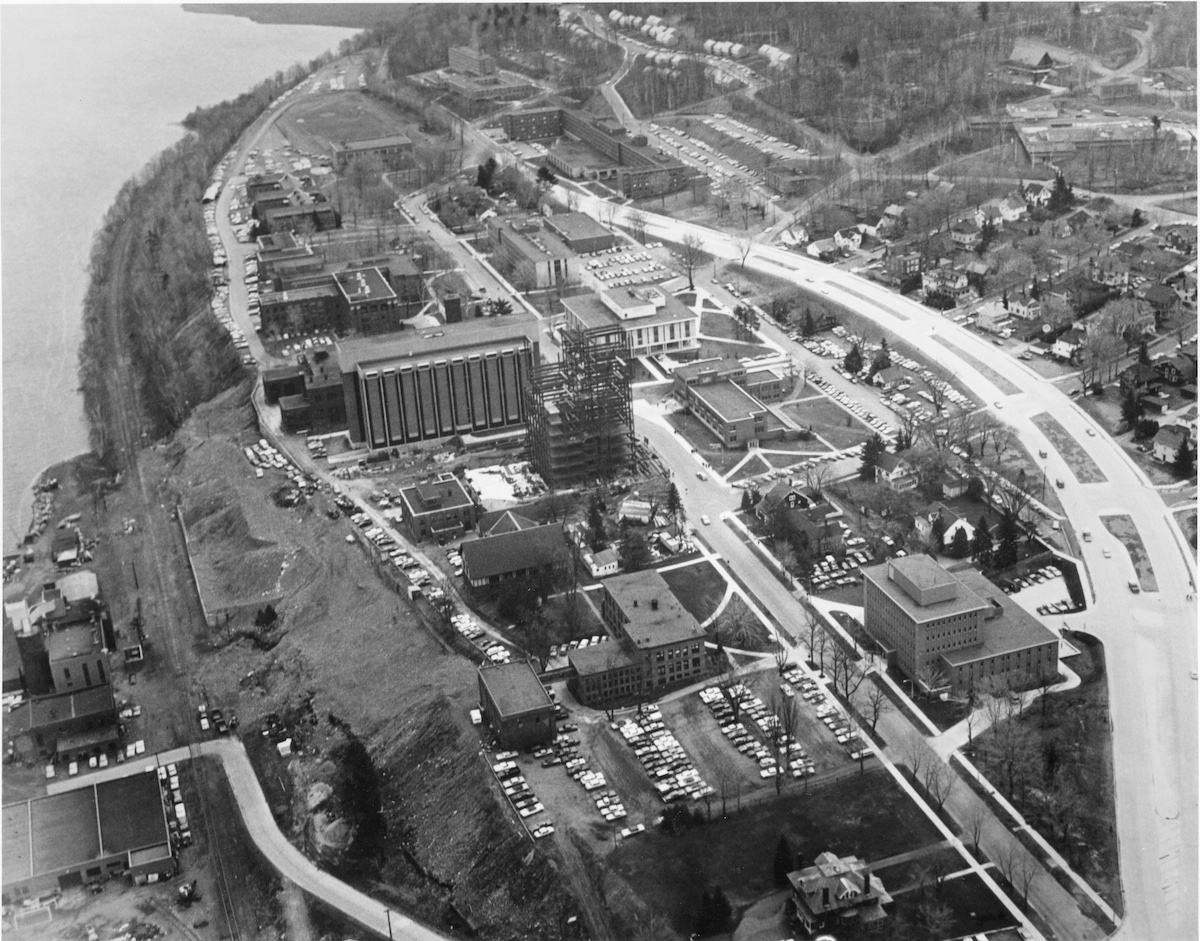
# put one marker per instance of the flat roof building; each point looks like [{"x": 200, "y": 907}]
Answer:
[
  {"x": 729, "y": 399},
  {"x": 654, "y": 321},
  {"x": 581, "y": 232},
  {"x": 85, "y": 835},
  {"x": 421, "y": 385},
  {"x": 439, "y": 508},
  {"x": 540, "y": 258},
  {"x": 393, "y": 151},
  {"x": 953, "y": 629},
  {"x": 470, "y": 60},
  {"x": 516, "y": 705}
]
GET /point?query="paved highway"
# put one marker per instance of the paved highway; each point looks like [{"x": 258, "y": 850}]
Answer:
[{"x": 1150, "y": 637}]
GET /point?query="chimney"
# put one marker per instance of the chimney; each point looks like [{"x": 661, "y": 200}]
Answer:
[
  {"x": 635, "y": 602},
  {"x": 825, "y": 897},
  {"x": 653, "y": 604}
]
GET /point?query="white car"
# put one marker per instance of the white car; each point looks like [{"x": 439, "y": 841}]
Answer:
[{"x": 705, "y": 520}]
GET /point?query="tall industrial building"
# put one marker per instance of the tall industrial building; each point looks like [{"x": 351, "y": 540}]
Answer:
[{"x": 581, "y": 408}]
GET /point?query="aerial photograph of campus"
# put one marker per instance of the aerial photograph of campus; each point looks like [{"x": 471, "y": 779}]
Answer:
[{"x": 599, "y": 471}]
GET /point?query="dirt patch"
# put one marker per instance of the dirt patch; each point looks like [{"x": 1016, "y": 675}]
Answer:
[
  {"x": 729, "y": 349},
  {"x": 1123, "y": 527},
  {"x": 1082, "y": 466},
  {"x": 698, "y": 587}
]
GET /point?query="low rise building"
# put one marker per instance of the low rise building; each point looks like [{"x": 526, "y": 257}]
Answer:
[
  {"x": 515, "y": 705},
  {"x": 653, "y": 320},
  {"x": 441, "y": 508},
  {"x": 953, "y": 629},
  {"x": 524, "y": 553},
  {"x": 538, "y": 256},
  {"x": 581, "y": 232},
  {"x": 86, "y": 835},
  {"x": 895, "y": 473},
  {"x": 65, "y": 724},
  {"x": 1167, "y": 443},
  {"x": 393, "y": 152}
]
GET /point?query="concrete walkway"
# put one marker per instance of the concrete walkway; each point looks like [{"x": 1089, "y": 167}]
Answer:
[{"x": 126, "y": 769}]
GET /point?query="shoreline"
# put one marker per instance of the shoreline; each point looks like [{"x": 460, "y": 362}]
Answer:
[{"x": 29, "y": 494}]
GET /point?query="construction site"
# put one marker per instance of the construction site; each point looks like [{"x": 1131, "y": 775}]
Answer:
[{"x": 581, "y": 409}]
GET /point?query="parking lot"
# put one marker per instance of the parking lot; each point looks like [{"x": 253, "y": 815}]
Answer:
[{"x": 618, "y": 267}]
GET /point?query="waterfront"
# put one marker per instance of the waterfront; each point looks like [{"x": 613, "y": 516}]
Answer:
[{"x": 88, "y": 95}]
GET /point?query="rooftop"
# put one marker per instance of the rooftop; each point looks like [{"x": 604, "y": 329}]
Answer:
[
  {"x": 370, "y": 143},
  {"x": 72, "y": 641},
  {"x": 729, "y": 400},
  {"x": 655, "y": 616},
  {"x": 43, "y": 710},
  {"x": 536, "y": 244},
  {"x": 65, "y": 830},
  {"x": 926, "y": 575},
  {"x": 416, "y": 346},
  {"x": 445, "y": 493},
  {"x": 515, "y": 688},
  {"x": 1011, "y": 629},
  {"x": 509, "y": 552},
  {"x": 363, "y": 285},
  {"x": 592, "y": 312},
  {"x": 600, "y": 659},
  {"x": 498, "y": 522},
  {"x": 577, "y": 225}
]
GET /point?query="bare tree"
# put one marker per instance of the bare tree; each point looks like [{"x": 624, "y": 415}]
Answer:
[
  {"x": 848, "y": 673},
  {"x": 1047, "y": 679},
  {"x": 815, "y": 478},
  {"x": 938, "y": 779},
  {"x": 974, "y": 819},
  {"x": 822, "y": 646},
  {"x": 939, "y": 386},
  {"x": 691, "y": 256},
  {"x": 1005, "y": 857},
  {"x": 636, "y": 220},
  {"x": 872, "y": 702},
  {"x": 1024, "y": 870},
  {"x": 780, "y": 655},
  {"x": 744, "y": 245},
  {"x": 787, "y": 717},
  {"x": 914, "y": 752}
]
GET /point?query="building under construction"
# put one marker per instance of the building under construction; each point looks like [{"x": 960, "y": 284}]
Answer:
[{"x": 581, "y": 409}]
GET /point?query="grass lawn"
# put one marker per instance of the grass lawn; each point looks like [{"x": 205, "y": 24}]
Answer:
[
  {"x": 1125, "y": 530},
  {"x": 698, "y": 587},
  {"x": 1187, "y": 522},
  {"x": 1076, "y": 722},
  {"x": 829, "y": 421},
  {"x": 1082, "y": 466},
  {"x": 727, "y": 348},
  {"x": 973, "y": 907},
  {"x": 352, "y": 116},
  {"x": 979, "y": 366},
  {"x": 752, "y": 468},
  {"x": 705, "y": 442},
  {"x": 1187, "y": 205},
  {"x": 867, "y": 815},
  {"x": 740, "y": 627},
  {"x": 941, "y": 714},
  {"x": 722, "y": 325}
]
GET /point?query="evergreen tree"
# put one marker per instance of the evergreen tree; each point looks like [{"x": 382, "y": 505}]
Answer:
[
  {"x": 486, "y": 174},
  {"x": 1143, "y": 353},
  {"x": 1062, "y": 197},
  {"x": 1131, "y": 407},
  {"x": 634, "y": 553},
  {"x": 747, "y": 502},
  {"x": 784, "y": 860},
  {"x": 598, "y": 537},
  {"x": 1185, "y": 460},
  {"x": 981, "y": 545},
  {"x": 1004, "y": 299},
  {"x": 960, "y": 545},
  {"x": 872, "y": 449},
  {"x": 983, "y": 11},
  {"x": 1009, "y": 532},
  {"x": 937, "y": 538},
  {"x": 853, "y": 362},
  {"x": 810, "y": 327},
  {"x": 674, "y": 505}
]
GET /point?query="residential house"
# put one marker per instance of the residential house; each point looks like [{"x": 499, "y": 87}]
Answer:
[
  {"x": 835, "y": 890},
  {"x": 1180, "y": 238},
  {"x": 1139, "y": 378},
  {"x": 848, "y": 239},
  {"x": 895, "y": 212},
  {"x": 1168, "y": 442},
  {"x": 946, "y": 280},
  {"x": 1031, "y": 58},
  {"x": 1026, "y": 308},
  {"x": 783, "y": 494},
  {"x": 925, "y": 521},
  {"x": 1185, "y": 418},
  {"x": 999, "y": 211},
  {"x": 1160, "y": 297},
  {"x": 890, "y": 378},
  {"x": 1068, "y": 343},
  {"x": 1110, "y": 270},
  {"x": 815, "y": 528},
  {"x": 895, "y": 473},
  {"x": 992, "y": 317},
  {"x": 966, "y": 235},
  {"x": 1037, "y": 194},
  {"x": 901, "y": 265},
  {"x": 954, "y": 482},
  {"x": 1176, "y": 370}
]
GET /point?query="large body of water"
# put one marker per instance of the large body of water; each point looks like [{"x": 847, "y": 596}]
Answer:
[{"x": 88, "y": 94}]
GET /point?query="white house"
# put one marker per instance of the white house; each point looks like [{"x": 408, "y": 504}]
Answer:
[
  {"x": 895, "y": 473},
  {"x": 602, "y": 563},
  {"x": 1067, "y": 343},
  {"x": 1037, "y": 194},
  {"x": 1167, "y": 443},
  {"x": 992, "y": 317},
  {"x": 924, "y": 522},
  {"x": 848, "y": 239},
  {"x": 1025, "y": 307}
]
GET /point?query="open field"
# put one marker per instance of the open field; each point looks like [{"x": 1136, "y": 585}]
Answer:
[
  {"x": 1082, "y": 466},
  {"x": 865, "y": 815},
  {"x": 728, "y": 348},
  {"x": 698, "y": 587},
  {"x": 828, "y": 421},
  {"x": 740, "y": 627},
  {"x": 313, "y": 125}
]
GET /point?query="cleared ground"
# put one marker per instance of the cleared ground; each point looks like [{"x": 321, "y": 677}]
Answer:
[{"x": 314, "y": 125}]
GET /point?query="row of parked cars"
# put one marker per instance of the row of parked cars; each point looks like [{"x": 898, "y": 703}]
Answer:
[
  {"x": 734, "y": 729},
  {"x": 842, "y": 728},
  {"x": 671, "y": 771},
  {"x": 517, "y": 790}
]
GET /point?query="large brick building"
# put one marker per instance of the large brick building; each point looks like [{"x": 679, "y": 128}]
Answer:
[
  {"x": 424, "y": 385},
  {"x": 440, "y": 507},
  {"x": 363, "y": 298},
  {"x": 516, "y": 705},
  {"x": 653, "y": 320},
  {"x": 540, "y": 259},
  {"x": 953, "y": 629},
  {"x": 728, "y": 399},
  {"x": 393, "y": 152},
  {"x": 638, "y": 170},
  {"x": 659, "y": 645}
]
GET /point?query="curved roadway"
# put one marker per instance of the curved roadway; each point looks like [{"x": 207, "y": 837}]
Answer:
[
  {"x": 1150, "y": 637},
  {"x": 291, "y": 863}
]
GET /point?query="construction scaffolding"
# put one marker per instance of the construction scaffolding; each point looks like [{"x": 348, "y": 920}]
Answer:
[{"x": 581, "y": 409}]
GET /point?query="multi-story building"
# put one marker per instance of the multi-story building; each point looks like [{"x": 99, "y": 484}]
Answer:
[
  {"x": 787, "y": 177},
  {"x": 471, "y": 61},
  {"x": 516, "y": 705},
  {"x": 362, "y": 298},
  {"x": 539, "y": 257},
  {"x": 653, "y": 320},
  {"x": 581, "y": 232},
  {"x": 421, "y": 385},
  {"x": 953, "y": 629},
  {"x": 836, "y": 888},
  {"x": 581, "y": 408},
  {"x": 728, "y": 398},
  {"x": 639, "y": 171},
  {"x": 437, "y": 509},
  {"x": 393, "y": 152},
  {"x": 658, "y": 644},
  {"x": 310, "y": 394},
  {"x": 523, "y": 553}
]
